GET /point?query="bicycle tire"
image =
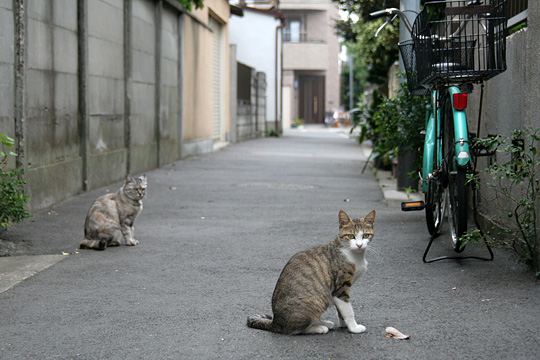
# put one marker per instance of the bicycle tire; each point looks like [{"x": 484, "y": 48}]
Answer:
[
  {"x": 435, "y": 207},
  {"x": 457, "y": 177}
]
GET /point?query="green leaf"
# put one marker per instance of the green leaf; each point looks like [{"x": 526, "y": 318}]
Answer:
[{"x": 6, "y": 140}]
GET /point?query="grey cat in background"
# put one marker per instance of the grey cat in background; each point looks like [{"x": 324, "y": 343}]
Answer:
[{"x": 111, "y": 217}]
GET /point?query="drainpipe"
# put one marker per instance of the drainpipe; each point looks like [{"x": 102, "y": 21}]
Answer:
[
  {"x": 406, "y": 156},
  {"x": 278, "y": 49}
]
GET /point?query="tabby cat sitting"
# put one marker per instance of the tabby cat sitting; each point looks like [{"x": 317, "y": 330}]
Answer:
[
  {"x": 111, "y": 217},
  {"x": 316, "y": 278}
]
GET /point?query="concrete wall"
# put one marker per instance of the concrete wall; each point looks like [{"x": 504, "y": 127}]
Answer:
[
  {"x": 316, "y": 32},
  {"x": 169, "y": 100},
  {"x": 261, "y": 104},
  {"x": 511, "y": 99},
  {"x": 505, "y": 94},
  {"x": 7, "y": 86},
  {"x": 52, "y": 146},
  {"x": 142, "y": 104},
  {"x": 532, "y": 98},
  {"x": 305, "y": 56},
  {"x": 107, "y": 153},
  {"x": 93, "y": 89}
]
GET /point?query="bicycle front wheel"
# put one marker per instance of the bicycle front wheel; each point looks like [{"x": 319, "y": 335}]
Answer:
[{"x": 457, "y": 187}]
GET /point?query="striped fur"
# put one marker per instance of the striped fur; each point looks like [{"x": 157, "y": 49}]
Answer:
[{"x": 319, "y": 277}]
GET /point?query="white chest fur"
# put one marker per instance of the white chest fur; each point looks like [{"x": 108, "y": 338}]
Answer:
[{"x": 358, "y": 259}]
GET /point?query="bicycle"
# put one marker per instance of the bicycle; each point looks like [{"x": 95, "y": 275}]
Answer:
[{"x": 454, "y": 44}]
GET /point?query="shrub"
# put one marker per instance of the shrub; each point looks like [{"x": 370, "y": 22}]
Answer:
[
  {"x": 12, "y": 196},
  {"x": 515, "y": 182},
  {"x": 394, "y": 123}
]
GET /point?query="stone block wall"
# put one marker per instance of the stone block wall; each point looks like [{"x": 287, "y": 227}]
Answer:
[
  {"x": 251, "y": 114},
  {"x": 260, "y": 103},
  {"x": 91, "y": 90}
]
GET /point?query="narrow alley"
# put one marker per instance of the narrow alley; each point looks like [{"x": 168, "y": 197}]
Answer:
[{"x": 215, "y": 232}]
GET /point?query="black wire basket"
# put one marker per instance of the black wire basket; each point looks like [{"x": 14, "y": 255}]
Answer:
[
  {"x": 408, "y": 55},
  {"x": 460, "y": 41}
]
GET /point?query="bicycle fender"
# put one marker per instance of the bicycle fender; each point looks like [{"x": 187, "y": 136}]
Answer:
[
  {"x": 461, "y": 133},
  {"x": 429, "y": 144}
]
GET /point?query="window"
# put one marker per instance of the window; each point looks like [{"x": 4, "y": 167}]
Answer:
[{"x": 293, "y": 31}]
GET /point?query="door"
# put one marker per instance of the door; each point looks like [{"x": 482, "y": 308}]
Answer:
[{"x": 311, "y": 99}]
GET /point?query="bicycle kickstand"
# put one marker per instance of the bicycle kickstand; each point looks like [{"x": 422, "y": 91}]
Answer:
[{"x": 477, "y": 223}]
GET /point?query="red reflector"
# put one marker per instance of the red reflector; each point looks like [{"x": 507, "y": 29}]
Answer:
[{"x": 460, "y": 101}]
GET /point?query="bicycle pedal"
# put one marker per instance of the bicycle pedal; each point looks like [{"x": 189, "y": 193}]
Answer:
[{"x": 413, "y": 205}]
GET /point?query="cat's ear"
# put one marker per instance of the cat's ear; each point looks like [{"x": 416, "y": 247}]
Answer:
[
  {"x": 128, "y": 179},
  {"x": 370, "y": 218},
  {"x": 343, "y": 218},
  {"x": 142, "y": 180}
]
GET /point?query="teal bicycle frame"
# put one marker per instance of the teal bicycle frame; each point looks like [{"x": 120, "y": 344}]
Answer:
[
  {"x": 433, "y": 136},
  {"x": 444, "y": 53}
]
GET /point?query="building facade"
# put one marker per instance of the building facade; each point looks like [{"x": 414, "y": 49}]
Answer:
[
  {"x": 206, "y": 78},
  {"x": 257, "y": 39},
  {"x": 310, "y": 60}
]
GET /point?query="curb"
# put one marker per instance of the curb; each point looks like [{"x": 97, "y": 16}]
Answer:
[
  {"x": 393, "y": 197},
  {"x": 388, "y": 184},
  {"x": 14, "y": 269}
]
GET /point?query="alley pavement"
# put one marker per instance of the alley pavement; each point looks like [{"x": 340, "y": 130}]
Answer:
[{"x": 215, "y": 232}]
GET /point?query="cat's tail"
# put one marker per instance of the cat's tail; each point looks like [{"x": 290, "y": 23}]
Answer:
[
  {"x": 261, "y": 322},
  {"x": 93, "y": 244}
]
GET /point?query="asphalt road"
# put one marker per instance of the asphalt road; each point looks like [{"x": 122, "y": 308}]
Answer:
[{"x": 215, "y": 233}]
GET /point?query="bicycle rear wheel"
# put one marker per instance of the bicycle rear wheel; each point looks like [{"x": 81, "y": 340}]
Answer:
[
  {"x": 457, "y": 177},
  {"x": 435, "y": 200}
]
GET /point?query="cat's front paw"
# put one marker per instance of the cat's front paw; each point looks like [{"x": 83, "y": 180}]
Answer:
[
  {"x": 357, "y": 329},
  {"x": 329, "y": 324},
  {"x": 316, "y": 329},
  {"x": 132, "y": 242}
]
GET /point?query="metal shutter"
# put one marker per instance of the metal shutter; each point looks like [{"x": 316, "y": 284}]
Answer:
[{"x": 217, "y": 82}]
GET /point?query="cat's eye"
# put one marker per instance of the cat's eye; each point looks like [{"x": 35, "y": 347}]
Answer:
[{"x": 366, "y": 236}]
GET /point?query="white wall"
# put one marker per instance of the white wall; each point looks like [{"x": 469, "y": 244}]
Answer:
[{"x": 254, "y": 36}]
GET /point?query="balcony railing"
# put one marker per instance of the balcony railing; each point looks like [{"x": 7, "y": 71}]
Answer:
[{"x": 301, "y": 37}]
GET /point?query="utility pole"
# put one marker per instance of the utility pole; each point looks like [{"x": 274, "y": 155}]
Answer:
[
  {"x": 351, "y": 79},
  {"x": 406, "y": 155},
  {"x": 408, "y": 6}
]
